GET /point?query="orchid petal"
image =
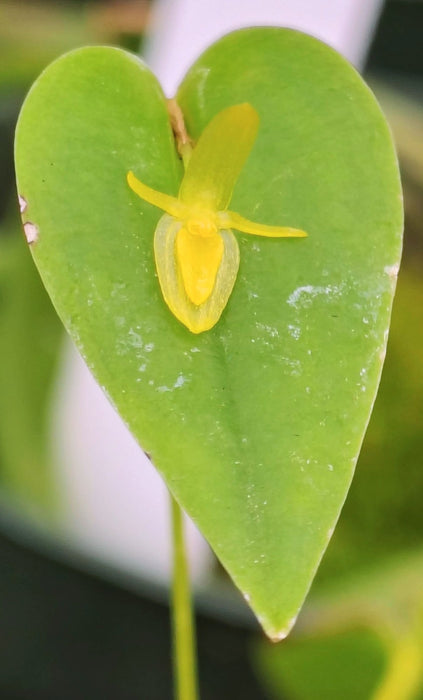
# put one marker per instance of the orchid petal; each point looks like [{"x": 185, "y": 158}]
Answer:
[
  {"x": 218, "y": 158},
  {"x": 171, "y": 205},
  {"x": 229, "y": 219}
]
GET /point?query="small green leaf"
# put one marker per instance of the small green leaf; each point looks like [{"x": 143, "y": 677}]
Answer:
[
  {"x": 256, "y": 424},
  {"x": 346, "y": 665},
  {"x": 361, "y": 638}
]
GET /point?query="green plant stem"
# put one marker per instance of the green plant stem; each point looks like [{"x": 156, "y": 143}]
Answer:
[{"x": 184, "y": 654}]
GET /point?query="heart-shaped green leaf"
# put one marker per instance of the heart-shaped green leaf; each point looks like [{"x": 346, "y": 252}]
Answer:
[{"x": 256, "y": 424}]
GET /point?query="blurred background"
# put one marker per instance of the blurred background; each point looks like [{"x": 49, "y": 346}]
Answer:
[{"x": 84, "y": 545}]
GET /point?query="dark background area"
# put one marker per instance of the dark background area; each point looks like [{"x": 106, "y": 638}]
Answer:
[{"x": 66, "y": 634}]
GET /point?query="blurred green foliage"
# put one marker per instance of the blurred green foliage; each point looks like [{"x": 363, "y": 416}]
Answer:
[
  {"x": 326, "y": 668},
  {"x": 32, "y": 34},
  {"x": 30, "y": 335}
]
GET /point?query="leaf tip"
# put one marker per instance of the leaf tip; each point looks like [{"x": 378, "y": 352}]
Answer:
[{"x": 280, "y": 633}]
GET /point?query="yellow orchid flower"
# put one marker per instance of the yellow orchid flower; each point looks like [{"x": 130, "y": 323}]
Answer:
[{"x": 196, "y": 253}]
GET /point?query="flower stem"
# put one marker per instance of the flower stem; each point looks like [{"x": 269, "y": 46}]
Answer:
[{"x": 184, "y": 654}]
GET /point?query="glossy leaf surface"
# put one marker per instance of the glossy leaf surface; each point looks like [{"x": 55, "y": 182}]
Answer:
[{"x": 256, "y": 425}]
